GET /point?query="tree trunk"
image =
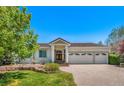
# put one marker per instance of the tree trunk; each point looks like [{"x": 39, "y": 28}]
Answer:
[{"x": 33, "y": 59}]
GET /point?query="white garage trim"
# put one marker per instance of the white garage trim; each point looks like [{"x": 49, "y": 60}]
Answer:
[{"x": 88, "y": 58}]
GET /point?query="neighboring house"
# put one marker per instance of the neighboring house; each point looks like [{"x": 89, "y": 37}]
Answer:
[{"x": 62, "y": 51}]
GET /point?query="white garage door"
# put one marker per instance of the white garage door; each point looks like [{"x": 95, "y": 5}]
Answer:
[
  {"x": 81, "y": 58},
  {"x": 101, "y": 58},
  {"x": 88, "y": 58}
]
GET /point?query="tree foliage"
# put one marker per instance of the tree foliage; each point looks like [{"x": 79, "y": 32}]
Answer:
[
  {"x": 1, "y": 52},
  {"x": 18, "y": 40},
  {"x": 100, "y": 43},
  {"x": 121, "y": 47},
  {"x": 115, "y": 36},
  {"x": 121, "y": 51}
]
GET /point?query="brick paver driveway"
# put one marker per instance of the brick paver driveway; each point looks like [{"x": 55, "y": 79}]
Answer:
[{"x": 96, "y": 74}]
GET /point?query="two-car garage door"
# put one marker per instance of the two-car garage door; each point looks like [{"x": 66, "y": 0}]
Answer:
[{"x": 88, "y": 58}]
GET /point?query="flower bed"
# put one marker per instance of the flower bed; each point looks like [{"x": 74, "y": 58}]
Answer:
[{"x": 34, "y": 67}]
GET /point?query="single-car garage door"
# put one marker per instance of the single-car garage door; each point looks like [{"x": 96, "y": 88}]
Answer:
[
  {"x": 101, "y": 58},
  {"x": 88, "y": 58}
]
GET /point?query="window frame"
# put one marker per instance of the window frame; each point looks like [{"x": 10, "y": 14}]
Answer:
[
  {"x": 90, "y": 54},
  {"x": 42, "y": 55},
  {"x": 104, "y": 54},
  {"x": 77, "y": 54},
  {"x": 71, "y": 54},
  {"x": 97, "y": 54},
  {"x": 83, "y": 54}
]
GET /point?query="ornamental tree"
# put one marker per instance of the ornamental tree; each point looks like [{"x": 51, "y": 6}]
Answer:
[
  {"x": 121, "y": 47},
  {"x": 121, "y": 51},
  {"x": 116, "y": 35},
  {"x": 18, "y": 40}
]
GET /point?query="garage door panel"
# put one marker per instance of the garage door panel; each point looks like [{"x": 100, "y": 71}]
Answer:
[
  {"x": 101, "y": 59},
  {"x": 80, "y": 59}
]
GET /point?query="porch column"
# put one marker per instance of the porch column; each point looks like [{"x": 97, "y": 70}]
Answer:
[
  {"x": 66, "y": 54},
  {"x": 52, "y": 53}
]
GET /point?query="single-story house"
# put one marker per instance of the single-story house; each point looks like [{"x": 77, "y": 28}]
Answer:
[{"x": 62, "y": 51}]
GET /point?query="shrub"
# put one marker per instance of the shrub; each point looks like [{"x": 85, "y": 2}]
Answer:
[
  {"x": 1, "y": 51},
  {"x": 122, "y": 58},
  {"x": 51, "y": 67},
  {"x": 114, "y": 59}
]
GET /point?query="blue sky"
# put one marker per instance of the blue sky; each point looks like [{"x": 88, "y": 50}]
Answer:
[{"x": 75, "y": 24}]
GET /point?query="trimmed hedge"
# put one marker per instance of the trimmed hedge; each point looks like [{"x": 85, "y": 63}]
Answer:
[
  {"x": 114, "y": 59},
  {"x": 51, "y": 67}
]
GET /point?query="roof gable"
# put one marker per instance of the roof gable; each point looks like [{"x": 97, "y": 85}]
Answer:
[{"x": 59, "y": 41}]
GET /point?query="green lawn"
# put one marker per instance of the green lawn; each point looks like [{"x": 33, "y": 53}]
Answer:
[{"x": 31, "y": 78}]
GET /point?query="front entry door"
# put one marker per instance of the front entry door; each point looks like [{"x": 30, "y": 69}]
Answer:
[{"x": 58, "y": 56}]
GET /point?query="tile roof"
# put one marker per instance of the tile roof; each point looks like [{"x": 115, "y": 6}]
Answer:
[
  {"x": 43, "y": 44},
  {"x": 76, "y": 45},
  {"x": 86, "y": 45}
]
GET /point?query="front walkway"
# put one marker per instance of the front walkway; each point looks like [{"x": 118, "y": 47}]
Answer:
[{"x": 96, "y": 74}]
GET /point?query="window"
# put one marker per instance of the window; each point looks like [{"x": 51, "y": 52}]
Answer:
[
  {"x": 103, "y": 54},
  {"x": 77, "y": 54},
  {"x": 89, "y": 54},
  {"x": 71, "y": 54},
  {"x": 42, "y": 53},
  {"x": 97, "y": 54},
  {"x": 58, "y": 52},
  {"x": 83, "y": 54}
]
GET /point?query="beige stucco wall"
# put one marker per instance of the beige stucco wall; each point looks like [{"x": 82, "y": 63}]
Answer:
[
  {"x": 71, "y": 50},
  {"x": 59, "y": 47},
  {"x": 88, "y": 49}
]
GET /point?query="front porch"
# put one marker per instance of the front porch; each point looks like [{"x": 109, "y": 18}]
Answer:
[
  {"x": 59, "y": 54},
  {"x": 59, "y": 51}
]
